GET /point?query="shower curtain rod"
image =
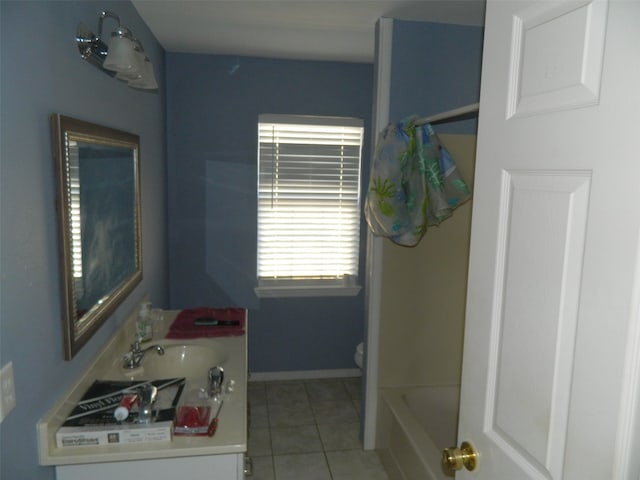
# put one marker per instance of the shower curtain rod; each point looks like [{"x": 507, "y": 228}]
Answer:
[{"x": 450, "y": 115}]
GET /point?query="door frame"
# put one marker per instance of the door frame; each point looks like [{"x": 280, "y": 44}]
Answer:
[{"x": 373, "y": 275}]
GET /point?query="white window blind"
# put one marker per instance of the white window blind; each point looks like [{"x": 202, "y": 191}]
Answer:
[{"x": 308, "y": 199}]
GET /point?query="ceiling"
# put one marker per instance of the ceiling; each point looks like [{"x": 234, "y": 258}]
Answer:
[{"x": 293, "y": 29}]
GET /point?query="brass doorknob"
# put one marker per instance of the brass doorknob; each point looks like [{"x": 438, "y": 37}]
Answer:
[{"x": 454, "y": 458}]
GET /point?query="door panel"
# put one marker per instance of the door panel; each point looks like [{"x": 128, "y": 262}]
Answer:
[
  {"x": 543, "y": 217},
  {"x": 556, "y": 56}
]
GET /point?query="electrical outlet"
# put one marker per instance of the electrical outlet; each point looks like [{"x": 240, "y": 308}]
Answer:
[{"x": 7, "y": 390}]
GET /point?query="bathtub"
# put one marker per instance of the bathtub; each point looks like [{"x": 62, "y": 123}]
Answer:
[{"x": 418, "y": 423}]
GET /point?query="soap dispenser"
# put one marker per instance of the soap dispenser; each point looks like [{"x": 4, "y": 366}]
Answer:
[{"x": 144, "y": 327}]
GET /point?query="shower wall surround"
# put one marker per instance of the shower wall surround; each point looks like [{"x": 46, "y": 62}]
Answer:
[
  {"x": 434, "y": 67},
  {"x": 423, "y": 304}
]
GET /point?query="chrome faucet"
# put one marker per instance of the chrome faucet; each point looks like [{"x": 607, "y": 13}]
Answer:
[
  {"x": 133, "y": 358},
  {"x": 216, "y": 377}
]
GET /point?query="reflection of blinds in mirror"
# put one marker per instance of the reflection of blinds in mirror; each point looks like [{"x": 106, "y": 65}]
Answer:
[{"x": 75, "y": 218}]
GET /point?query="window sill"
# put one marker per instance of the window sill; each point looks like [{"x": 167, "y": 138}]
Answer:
[{"x": 307, "y": 291}]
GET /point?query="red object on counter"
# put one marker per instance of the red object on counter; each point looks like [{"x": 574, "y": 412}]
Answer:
[
  {"x": 192, "y": 420},
  {"x": 124, "y": 408},
  {"x": 192, "y": 323},
  {"x": 213, "y": 426}
]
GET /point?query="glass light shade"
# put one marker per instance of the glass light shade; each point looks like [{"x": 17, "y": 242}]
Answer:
[
  {"x": 128, "y": 77},
  {"x": 122, "y": 56},
  {"x": 147, "y": 81}
]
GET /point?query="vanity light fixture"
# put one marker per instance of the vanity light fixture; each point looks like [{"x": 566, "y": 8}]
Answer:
[{"x": 123, "y": 57}]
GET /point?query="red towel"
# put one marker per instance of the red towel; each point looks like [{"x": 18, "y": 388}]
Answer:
[{"x": 184, "y": 325}]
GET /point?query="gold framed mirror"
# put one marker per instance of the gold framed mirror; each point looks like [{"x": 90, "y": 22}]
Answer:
[{"x": 98, "y": 205}]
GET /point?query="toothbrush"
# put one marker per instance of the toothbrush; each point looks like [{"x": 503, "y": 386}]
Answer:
[{"x": 213, "y": 426}]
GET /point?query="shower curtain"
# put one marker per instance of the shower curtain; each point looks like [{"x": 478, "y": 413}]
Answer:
[{"x": 414, "y": 183}]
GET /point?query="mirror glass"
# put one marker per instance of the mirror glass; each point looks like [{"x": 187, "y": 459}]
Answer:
[{"x": 99, "y": 223}]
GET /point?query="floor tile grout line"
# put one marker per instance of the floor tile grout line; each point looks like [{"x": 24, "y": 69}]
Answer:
[{"x": 326, "y": 460}]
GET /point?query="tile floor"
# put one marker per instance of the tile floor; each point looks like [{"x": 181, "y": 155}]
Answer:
[{"x": 308, "y": 430}]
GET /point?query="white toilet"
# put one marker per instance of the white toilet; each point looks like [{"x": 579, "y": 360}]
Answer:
[{"x": 359, "y": 354}]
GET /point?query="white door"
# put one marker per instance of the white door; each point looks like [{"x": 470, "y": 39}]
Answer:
[{"x": 550, "y": 368}]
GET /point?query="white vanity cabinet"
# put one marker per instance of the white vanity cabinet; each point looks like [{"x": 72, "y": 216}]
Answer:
[
  {"x": 220, "y": 457},
  {"x": 209, "y": 467}
]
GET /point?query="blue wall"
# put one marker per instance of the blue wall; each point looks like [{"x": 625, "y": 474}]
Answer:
[
  {"x": 435, "y": 67},
  {"x": 213, "y": 103},
  {"x": 42, "y": 73}
]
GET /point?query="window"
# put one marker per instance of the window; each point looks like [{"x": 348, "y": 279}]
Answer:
[{"x": 308, "y": 205}]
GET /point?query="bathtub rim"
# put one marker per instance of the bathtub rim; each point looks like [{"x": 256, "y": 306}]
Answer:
[{"x": 421, "y": 442}]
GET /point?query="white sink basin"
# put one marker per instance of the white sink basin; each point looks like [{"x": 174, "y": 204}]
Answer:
[{"x": 180, "y": 360}]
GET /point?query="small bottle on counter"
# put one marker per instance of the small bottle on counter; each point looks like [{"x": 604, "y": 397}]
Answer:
[
  {"x": 144, "y": 325},
  {"x": 121, "y": 413}
]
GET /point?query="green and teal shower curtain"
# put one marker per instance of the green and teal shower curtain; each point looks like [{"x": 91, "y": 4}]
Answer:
[{"x": 414, "y": 183}]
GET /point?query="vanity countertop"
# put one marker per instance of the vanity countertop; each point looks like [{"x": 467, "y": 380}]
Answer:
[{"x": 230, "y": 438}]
